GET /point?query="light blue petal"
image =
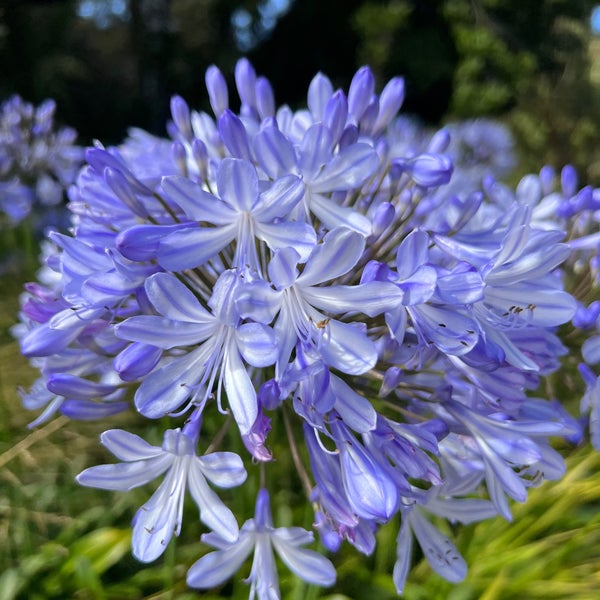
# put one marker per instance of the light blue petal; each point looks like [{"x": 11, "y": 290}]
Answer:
[
  {"x": 212, "y": 510},
  {"x": 451, "y": 331},
  {"x": 166, "y": 389},
  {"x": 371, "y": 298},
  {"x": 346, "y": 170},
  {"x": 237, "y": 182},
  {"x": 196, "y": 203},
  {"x": 192, "y": 247},
  {"x": 356, "y": 411},
  {"x": 141, "y": 242},
  {"x": 460, "y": 288},
  {"x": 300, "y": 236},
  {"x": 257, "y": 344},
  {"x": 370, "y": 491},
  {"x": 335, "y": 256},
  {"x": 306, "y": 564},
  {"x": 240, "y": 391},
  {"x": 333, "y": 215},
  {"x": 155, "y": 523},
  {"x": 174, "y": 300},
  {"x": 347, "y": 348},
  {"x": 412, "y": 252},
  {"x": 163, "y": 333},
  {"x": 274, "y": 152},
  {"x": 282, "y": 268},
  {"x": 128, "y": 446},
  {"x": 403, "y": 556},
  {"x": 319, "y": 91},
  {"x": 419, "y": 287},
  {"x": 539, "y": 305},
  {"x": 224, "y": 469},
  {"x": 215, "y": 568},
  {"x": 122, "y": 477},
  {"x": 279, "y": 199},
  {"x": 315, "y": 150},
  {"x": 439, "y": 551}
]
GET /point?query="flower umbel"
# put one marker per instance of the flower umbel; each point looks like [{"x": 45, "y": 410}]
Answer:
[{"x": 326, "y": 279}]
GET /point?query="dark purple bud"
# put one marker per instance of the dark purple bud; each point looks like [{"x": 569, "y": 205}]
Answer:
[
  {"x": 439, "y": 141},
  {"x": 568, "y": 180},
  {"x": 362, "y": 88},
  {"x": 390, "y": 101}
]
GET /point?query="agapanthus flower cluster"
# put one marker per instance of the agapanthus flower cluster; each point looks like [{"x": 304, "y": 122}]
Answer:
[
  {"x": 38, "y": 160},
  {"x": 271, "y": 262}
]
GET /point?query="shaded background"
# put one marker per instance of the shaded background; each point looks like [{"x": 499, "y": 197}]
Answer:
[{"x": 111, "y": 64}]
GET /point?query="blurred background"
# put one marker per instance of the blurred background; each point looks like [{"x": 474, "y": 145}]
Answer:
[
  {"x": 112, "y": 64},
  {"x": 531, "y": 65}
]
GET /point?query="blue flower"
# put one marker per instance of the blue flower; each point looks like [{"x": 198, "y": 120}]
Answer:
[
  {"x": 258, "y": 536},
  {"x": 161, "y": 516}
]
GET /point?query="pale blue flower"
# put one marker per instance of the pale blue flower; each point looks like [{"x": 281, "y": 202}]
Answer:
[
  {"x": 260, "y": 538},
  {"x": 161, "y": 516}
]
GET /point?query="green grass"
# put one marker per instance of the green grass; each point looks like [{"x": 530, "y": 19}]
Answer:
[{"x": 60, "y": 541}]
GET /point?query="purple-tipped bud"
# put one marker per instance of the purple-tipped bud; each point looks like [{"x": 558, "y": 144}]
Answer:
[
  {"x": 234, "y": 136},
  {"x": 361, "y": 92},
  {"x": 390, "y": 101},
  {"x": 217, "y": 90},
  {"x": 265, "y": 99},
  {"x": 547, "y": 175},
  {"x": 319, "y": 93},
  {"x": 245, "y": 81},
  {"x": 439, "y": 141},
  {"x": 568, "y": 180},
  {"x": 180, "y": 112}
]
